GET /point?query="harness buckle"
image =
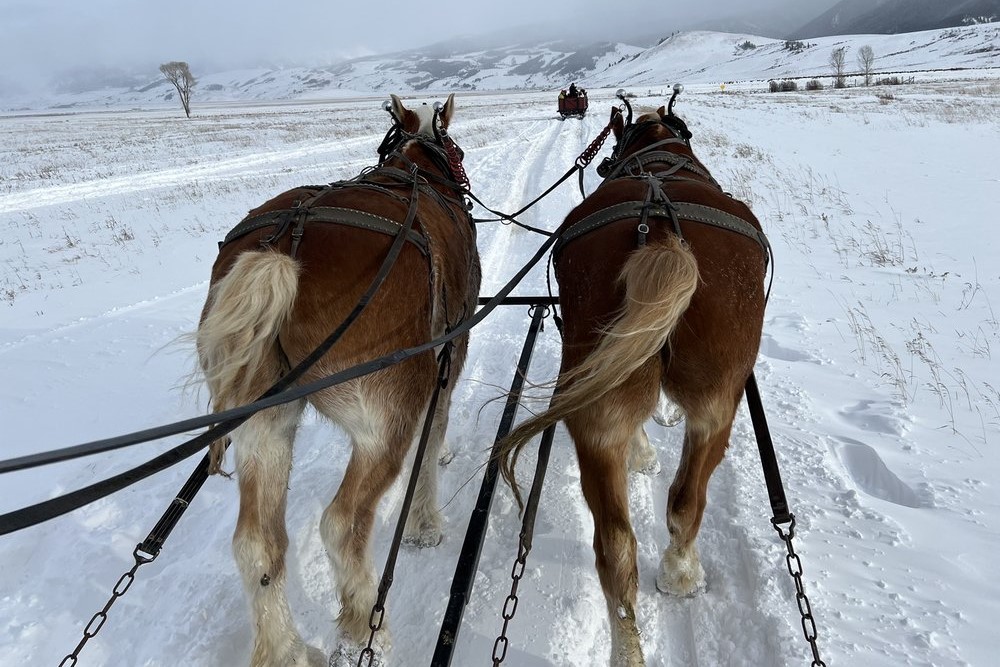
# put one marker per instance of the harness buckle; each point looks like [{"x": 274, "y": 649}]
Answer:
[
  {"x": 603, "y": 169},
  {"x": 643, "y": 230}
]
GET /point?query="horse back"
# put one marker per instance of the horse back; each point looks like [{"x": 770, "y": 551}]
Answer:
[{"x": 720, "y": 330}]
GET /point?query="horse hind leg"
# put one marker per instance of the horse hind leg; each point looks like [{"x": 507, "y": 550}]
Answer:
[
  {"x": 605, "y": 433},
  {"x": 706, "y": 438},
  {"x": 263, "y": 462},
  {"x": 423, "y": 525},
  {"x": 380, "y": 437},
  {"x": 604, "y": 477}
]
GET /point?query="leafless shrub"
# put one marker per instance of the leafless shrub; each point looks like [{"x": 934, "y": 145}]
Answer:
[
  {"x": 121, "y": 233},
  {"x": 814, "y": 84},
  {"x": 784, "y": 86}
]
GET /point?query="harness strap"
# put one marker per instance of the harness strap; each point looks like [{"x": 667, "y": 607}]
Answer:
[
  {"x": 684, "y": 211},
  {"x": 679, "y": 161},
  {"x": 329, "y": 214},
  {"x": 717, "y": 218}
]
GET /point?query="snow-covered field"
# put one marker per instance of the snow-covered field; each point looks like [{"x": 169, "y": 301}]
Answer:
[{"x": 876, "y": 371}]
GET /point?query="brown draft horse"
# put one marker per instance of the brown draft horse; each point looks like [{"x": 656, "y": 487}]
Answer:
[
  {"x": 661, "y": 283},
  {"x": 275, "y": 296}
]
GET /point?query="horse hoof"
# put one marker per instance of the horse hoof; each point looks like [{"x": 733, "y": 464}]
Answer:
[
  {"x": 647, "y": 467},
  {"x": 348, "y": 655},
  {"x": 315, "y": 657},
  {"x": 681, "y": 587},
  {"x": 423, "y": 539}
]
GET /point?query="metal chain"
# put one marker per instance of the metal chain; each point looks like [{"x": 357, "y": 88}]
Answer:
[
  {"x": 141, "y": 558},
  {"x": 510, "y": 604},
  {"x": 805, "y": 609},
  {"x": 588, "y": 155},
  {"x": 455, "y": 162},
  {"x": 368, "y": 653},
  {"x": 525, "y": 538}
]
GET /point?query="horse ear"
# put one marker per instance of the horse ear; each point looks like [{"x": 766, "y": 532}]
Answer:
[
  {"x": 447, "y": 110},
  {"x": 398, "y": 110},
  {"x": 662, "y": 112},
  {"x": 617, "y": 122}
]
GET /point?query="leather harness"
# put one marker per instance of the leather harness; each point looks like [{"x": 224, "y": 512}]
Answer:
[
  {"x": 304, "y": 211},
  {"x": 657, "y": 204}
]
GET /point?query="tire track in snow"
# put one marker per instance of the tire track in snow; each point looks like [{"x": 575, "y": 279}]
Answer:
[
  {"x": 499, "y": 172},
  {"x": 153, "y": 302},
  {"x": 251, "y": 164},
  {"x": 507, "y": 180}
]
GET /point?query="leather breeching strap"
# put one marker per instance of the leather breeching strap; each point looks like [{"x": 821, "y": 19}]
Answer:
[
  {"x": 673, "y": 211},
  {"x": 330, "y": 214}
]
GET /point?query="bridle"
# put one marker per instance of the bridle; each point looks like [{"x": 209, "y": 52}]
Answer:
[
  {"x": 442, "y": 149},
  {"x": 614, "y": 165}
]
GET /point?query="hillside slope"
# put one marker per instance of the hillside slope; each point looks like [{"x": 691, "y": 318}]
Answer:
[{"x": 691, "y": 57}]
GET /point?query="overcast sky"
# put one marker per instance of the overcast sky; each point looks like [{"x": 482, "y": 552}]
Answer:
[{"x": 39, "y": 38}]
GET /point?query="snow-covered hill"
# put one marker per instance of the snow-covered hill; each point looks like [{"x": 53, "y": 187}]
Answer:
[
  {"x": 692, "y": 57},
  {"x": 712, "y": 57}
]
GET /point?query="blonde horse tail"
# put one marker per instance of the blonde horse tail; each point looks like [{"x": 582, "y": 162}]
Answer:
[
  {"x": 659, "y": 281},
  {"x": 238, "y": 334}
]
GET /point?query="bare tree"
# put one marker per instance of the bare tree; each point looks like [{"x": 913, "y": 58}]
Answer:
[
  {"x": 866, "y": 61},
  {"x": 837, "y": 60},
  {"x": 179, "y": 74}
]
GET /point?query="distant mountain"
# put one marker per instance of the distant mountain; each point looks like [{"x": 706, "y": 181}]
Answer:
[
  {"x": 476, "y": 64},
  {"x": 777, "y": 23},
  {"x": 697, "y": 57},
  {"x": 883, "y": 17}
]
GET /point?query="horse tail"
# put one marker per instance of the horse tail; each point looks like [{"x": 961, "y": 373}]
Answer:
[
  {"x": 238, "y": 335},
  {"x": 659, "y": 281}
]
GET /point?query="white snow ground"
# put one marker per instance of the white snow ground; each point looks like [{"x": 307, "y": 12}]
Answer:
[{"x": 876, "y": 371}]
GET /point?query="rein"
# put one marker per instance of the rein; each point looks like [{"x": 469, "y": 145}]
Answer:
[{"x": 582, "y": 161}]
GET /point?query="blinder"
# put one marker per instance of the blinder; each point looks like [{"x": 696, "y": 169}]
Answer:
[
  {"x": 631, "y": 130},
  {"x": 442, "y": 144}
]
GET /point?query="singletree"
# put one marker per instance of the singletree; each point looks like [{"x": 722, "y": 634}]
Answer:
[
  {"x": 837, "y": 60},
  {"x": 179, "y": 74},
  {"x": 866, "y": 61}
]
